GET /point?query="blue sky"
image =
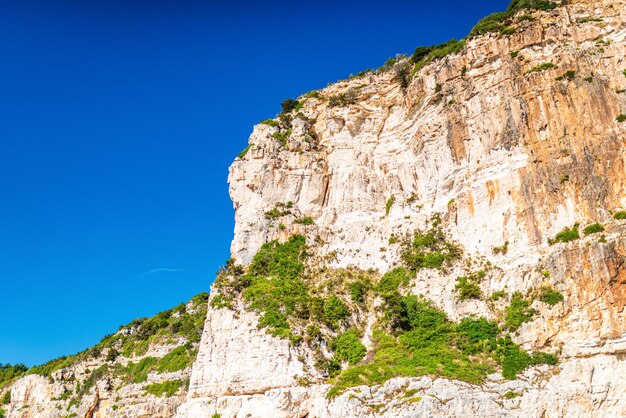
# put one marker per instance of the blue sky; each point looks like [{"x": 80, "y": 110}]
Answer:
[{"x": 118, "y": 121}]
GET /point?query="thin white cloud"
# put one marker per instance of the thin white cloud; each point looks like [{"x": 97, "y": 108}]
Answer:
[{"x": 162, "y": 270}]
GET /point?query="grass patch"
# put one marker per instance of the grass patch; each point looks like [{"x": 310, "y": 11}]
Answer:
[{"x": 621, "y": 118}]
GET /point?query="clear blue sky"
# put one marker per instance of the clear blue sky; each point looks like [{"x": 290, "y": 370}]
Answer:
[{"x": 118, "y": 121}]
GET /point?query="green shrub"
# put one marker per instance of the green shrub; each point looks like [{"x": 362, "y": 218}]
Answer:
[
  {"x": 514, "y": 360},
  {"x": 358, "y": 290},
  {"x": 391, "y": 281},
  {"x": 389, "y": 204},
  {"x": 6, "y": 398},
  {"x": 167, "y": 388},
  {"x": 307, "y": 220},
  {"x": 511, "y": 395},
  {"x": 423, "y": 55},
  {"x": 289, "y": 105},
  {"x": 342, "y": 99},
  {"x": 620, "y": 215},
  {"x": 593, "y": 229},
  {"x": 348, "y": 347},
  {"x": 282, "y": 136},
  {"x": 518, "y": 311},
  {"x": 428, "y": 250},
  {"x": 550, "y": 296},
  {"x": 468, "y": 287},
  {"x": 220, "y": 301},
  {"x": 621, "y": 118},
  {"x": 476, "y": 335},
  {"x": 540, "y": 67},
  {"x": 271, "y": 122},
  {"x": 9, "y": 372},
  {"x": 497, "y": 295},
  {"x": 2, "y": 413},
  {"x": 334, "y": 311},
  {"x": 566, "y": 235},
  {"x": 278, "y": 211},
  {"x": 503, "y": 249}
]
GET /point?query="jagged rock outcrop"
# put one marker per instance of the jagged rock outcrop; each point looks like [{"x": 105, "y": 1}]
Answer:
[
  {"x": 506, "y": 142},
  {"x": 508, "y": 151}
]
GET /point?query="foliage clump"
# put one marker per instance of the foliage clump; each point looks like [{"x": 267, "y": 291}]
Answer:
[
  {"x": 620, "y": 215},
  {"x": 167, "y": 388},
  {"x": 550, "y": 296},
  {"x": 342, "y": 99},
  {"x": 566, "y": 235},
  {"x": 468, "y": 287},
  {"x": 518, "y": 311},
  {"x": 540, "y": 67},
  {"x": 593, "y": 229},
  {"x": 429, "y": 250},
  {"x": 348, "y": 347}
]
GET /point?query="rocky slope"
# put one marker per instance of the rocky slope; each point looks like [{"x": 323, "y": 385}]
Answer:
[
  {"x": 486, "y": 175},
  {"x": 142, "y": 370}
]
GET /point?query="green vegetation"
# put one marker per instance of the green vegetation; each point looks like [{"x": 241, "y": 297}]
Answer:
[
  {"x": 389, "y": 204},
  {"x": 518, "y": 311},
  {"x": 343, "y": 99},
  {"x": 497, "y": 295},
  {"x": 621, "y": 118},
  {"x": 468, "y": 287},
  {"x": 428, "y": 250},
  {"x": 424, "y": 55},
  {"x": 6, "y": 398},
  {"x": 280, "y": 209},
  {"x": 184, "y": 321},
  {"x": 503, "y": 249},
  {"x": 167, "y": 388},
  {"x": 348, "y": 347},
  {"x": 514, "y": 360},
  {"x": 244, "y": 152},
  {"x": 8, "y": 372},
  {"x": 514, "y": 54},
  {"x": 420, "y": 340},
  {"x": 588, "y": 79},
  {"x": 593, "y": 229},
  {"x": 511, "y": 395},
  {"x": 178, "y": 359},
  {"x": 540, "y": 67},
  {"x": 334, "y": 311},
  {"x": 289, "y": 105},
  {"x": 620, "y": 215},
  {"x": 307, "y": 220},
  {"x": 271, "y": 122},
  {"x": 564, "y": 179},
  {"x": 498, "y": 22},
  {"x": 566, "y": 235},
  {"x": 220, "y": 301},
  {"x": 569, "y": 75},
  {"x": 550, "y": 296},
  {"x": 282, "y": 136},
  {"x": 589, "y": 19}
]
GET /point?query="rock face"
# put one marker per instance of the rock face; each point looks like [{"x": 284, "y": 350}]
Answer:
[
  {"x": 507, "y": 151},
  {"x": 508, "y": 142}
]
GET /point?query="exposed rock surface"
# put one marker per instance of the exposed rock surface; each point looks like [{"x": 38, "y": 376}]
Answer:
[{"x": 507, "y": 155}]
